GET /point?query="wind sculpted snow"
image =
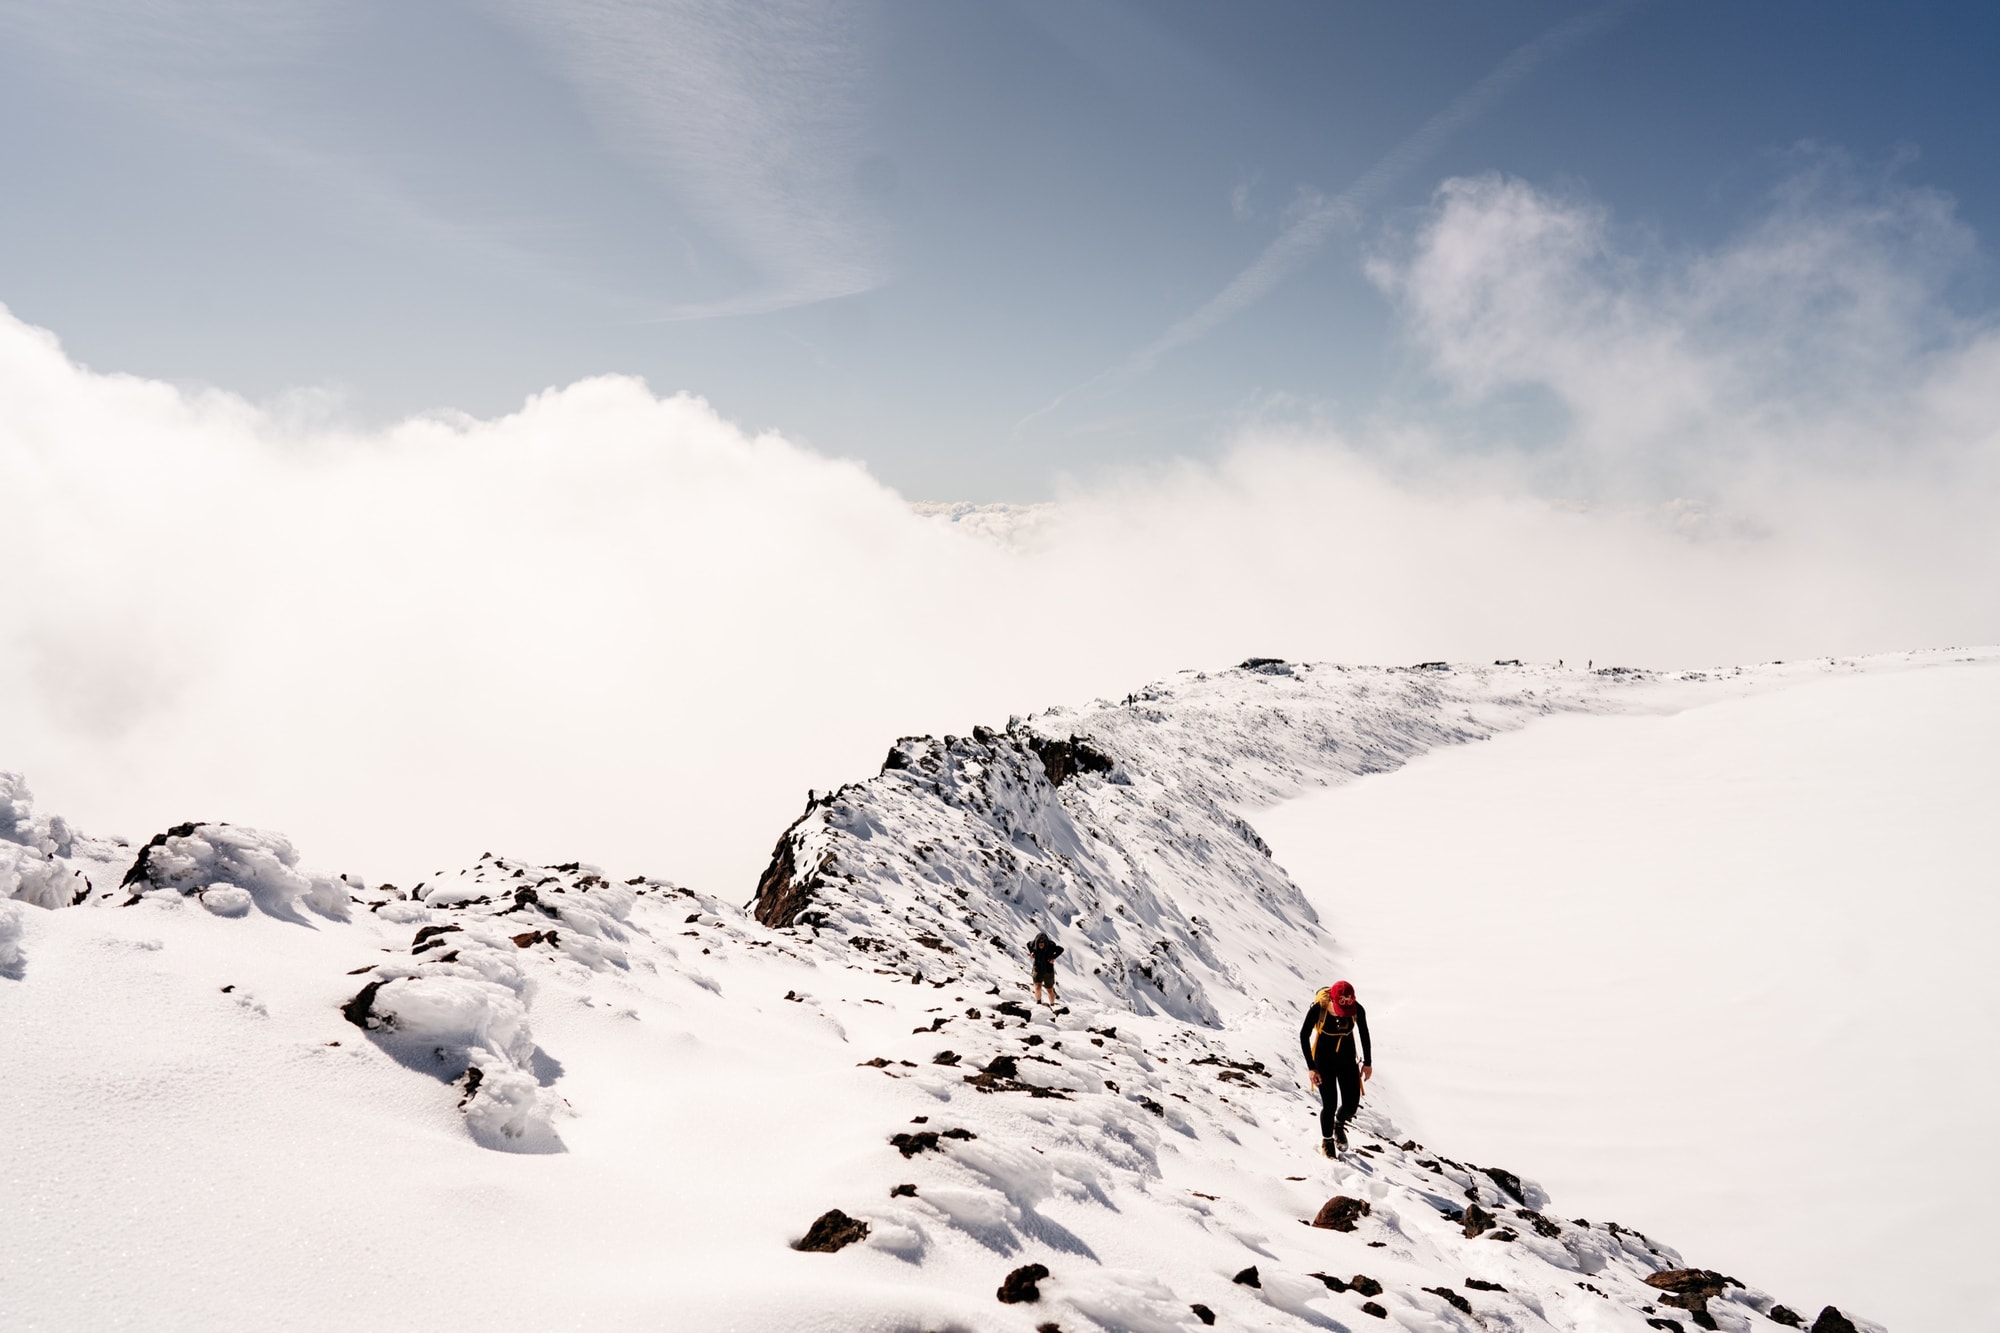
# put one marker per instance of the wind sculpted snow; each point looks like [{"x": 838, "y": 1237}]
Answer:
[{"x": 684, "y": 1091}]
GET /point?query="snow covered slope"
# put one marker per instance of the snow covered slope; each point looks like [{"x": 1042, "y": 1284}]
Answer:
[{"x": 521, "y": 1096}]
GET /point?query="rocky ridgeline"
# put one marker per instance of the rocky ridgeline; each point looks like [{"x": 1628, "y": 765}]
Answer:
[{"x": 1115, "y": 828}]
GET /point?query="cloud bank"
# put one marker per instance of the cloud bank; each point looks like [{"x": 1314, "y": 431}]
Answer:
[{"x": 614, "y": 625}]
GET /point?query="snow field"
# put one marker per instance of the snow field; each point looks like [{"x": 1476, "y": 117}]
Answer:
[
  {"x": 213, "y": 1129},
  {"x": 1722, "y": 969}
]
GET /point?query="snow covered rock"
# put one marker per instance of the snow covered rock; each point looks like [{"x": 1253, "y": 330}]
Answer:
[
  {"x": 13, "y": 957},
  {"x": 195, "y": 859}
]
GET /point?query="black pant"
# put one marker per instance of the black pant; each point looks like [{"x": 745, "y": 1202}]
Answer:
[{"x": 1339, "y": 1095}]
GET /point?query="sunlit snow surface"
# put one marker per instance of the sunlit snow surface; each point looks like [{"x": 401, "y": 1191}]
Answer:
[
  {"x": 1727, "y": 971},
  {"x": 194, "y": 1135}
]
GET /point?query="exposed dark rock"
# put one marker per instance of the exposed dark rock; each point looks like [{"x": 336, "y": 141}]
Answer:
[
  {"x": 1780, "y": 1314},
  {"x": 474, "y": 1075},
  {"x": 1002, "y": 1066},
  {"x": 1481, "y": 1284},
  {"x": 1341, "y": 1213},
  {"x": 1330, "y": 1282},
  {"x": 1478, "y": 1221},
  {"x": 1833, "y": 1321},
  {"x": 1203, "y": 1313},
  {"x": 1020, "y": 1288},
  {"x": 1542, "y": 1225},
  {"x": 903, "y": 1191},
  {"x": 830, "y": 1231},
  {"x": 958, "y": 1134},
  {"x": 945, "y": 1058},
  {"x": 1507, "y": 1181},
  {"x": 1451, "y": 1298},
  {"x": 1062, "y": 760},
  {"x": 786, "y": 888},
  {"x": 1367, "y": 1286},
  {"x": 431, "y": 937},
  {"x": 1013, "y": 1008},
  {"x": 1248, "y": 1278},
  {"x": 1370, "y": 1307},
  {"x": 1671, "y": 1325},
  {"x": 924, "y": 1140},
  {"x": 361, "y": 1009},
  {"x": 1690, "y": 1289},
  {"x": 1152, "y": 1106}
]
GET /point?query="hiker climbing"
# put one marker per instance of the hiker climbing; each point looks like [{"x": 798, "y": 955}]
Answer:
[
  {"x": 1044, "y": 951},
  {"x": 1336, "y": 1025}
]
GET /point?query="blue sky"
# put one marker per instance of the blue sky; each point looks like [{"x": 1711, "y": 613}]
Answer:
[{"x": 933, "y": 237}]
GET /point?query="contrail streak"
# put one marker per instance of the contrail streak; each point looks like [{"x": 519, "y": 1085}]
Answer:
[{"x": 1296, "y": 243}]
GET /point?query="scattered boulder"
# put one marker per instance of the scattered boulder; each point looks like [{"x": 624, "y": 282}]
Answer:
[
  {"x": 1543, "y": 1226},
  {"x": 902, "y": 1191},
  {"x": 1507, "y": 1181},
  {"x": 1002, "y": 1066},
  {"x": 1451, "y": 1298},
  {"x": 1013, "y": 1009},
  {"x": 831, "y": 1230},
  {"x": 1367, "y": 1286},
  {"x": 1330, "y": 1282},
  {"x": 1019, "y": 1287},
  {"x": 945, "y": 1058},
  {"x": 1481, "y": 1284},
  {"x": 924, "y": 1140},
  {"x": 1780, "y": 1314},
  {"x": 1203, "y": 1313},
  {"x": 1248, "y": 1278},
  {"x": 1370, "y": 1307},
  {"x": 1833, "y": 1321},
  {"x": 1478, "y": 1221},
  {"x": 1690, "y": 1289},
  {"x": 1340, "y": 1213}
]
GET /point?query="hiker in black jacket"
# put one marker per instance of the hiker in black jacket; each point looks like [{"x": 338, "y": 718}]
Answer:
[
  {"x": 1044, "y": 952},
  {"x": 1335, "y": 1025}
]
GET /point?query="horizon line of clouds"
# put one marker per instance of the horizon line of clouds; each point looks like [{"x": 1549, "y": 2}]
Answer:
[
  {"x": 1308, "y": 230},
  {"x": 615, "y": 621}
]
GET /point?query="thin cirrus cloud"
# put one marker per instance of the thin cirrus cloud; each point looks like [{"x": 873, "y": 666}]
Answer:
[
  {"x": 616, "y": 625},
  {"x": 753, "y": 112},
  {"x": 1315, "y": 217}
]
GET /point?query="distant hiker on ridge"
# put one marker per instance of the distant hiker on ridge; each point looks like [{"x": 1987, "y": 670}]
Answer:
[
  {"x": 1328, "y": 1036},
  {"x": 1044, "y": 952}
]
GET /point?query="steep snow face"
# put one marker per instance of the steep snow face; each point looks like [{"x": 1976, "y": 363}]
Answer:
[{"x": 289, "y": 1116}]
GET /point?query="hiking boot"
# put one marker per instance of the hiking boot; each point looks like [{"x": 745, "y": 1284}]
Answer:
[
  {"x": 1329, "y": 1148},
  {"x": 1340, "y": 1132}
]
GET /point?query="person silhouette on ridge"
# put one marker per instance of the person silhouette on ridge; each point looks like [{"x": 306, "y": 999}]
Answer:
[{"x": 1335, "y": 1024}]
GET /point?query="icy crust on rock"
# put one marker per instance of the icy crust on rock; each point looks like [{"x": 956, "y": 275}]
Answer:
[
  {"x": 37, "y": 852},
  {"x": 1116, "y": 828},
  {"x": 229, "y": 868}
]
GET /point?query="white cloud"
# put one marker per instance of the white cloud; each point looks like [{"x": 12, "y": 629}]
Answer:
[{"x": 615, "y": 626}]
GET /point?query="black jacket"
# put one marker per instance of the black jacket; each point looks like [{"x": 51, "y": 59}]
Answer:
[
  {"x": 1333, "y": 1044},
  {"x": 1044, "y": 951}
]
